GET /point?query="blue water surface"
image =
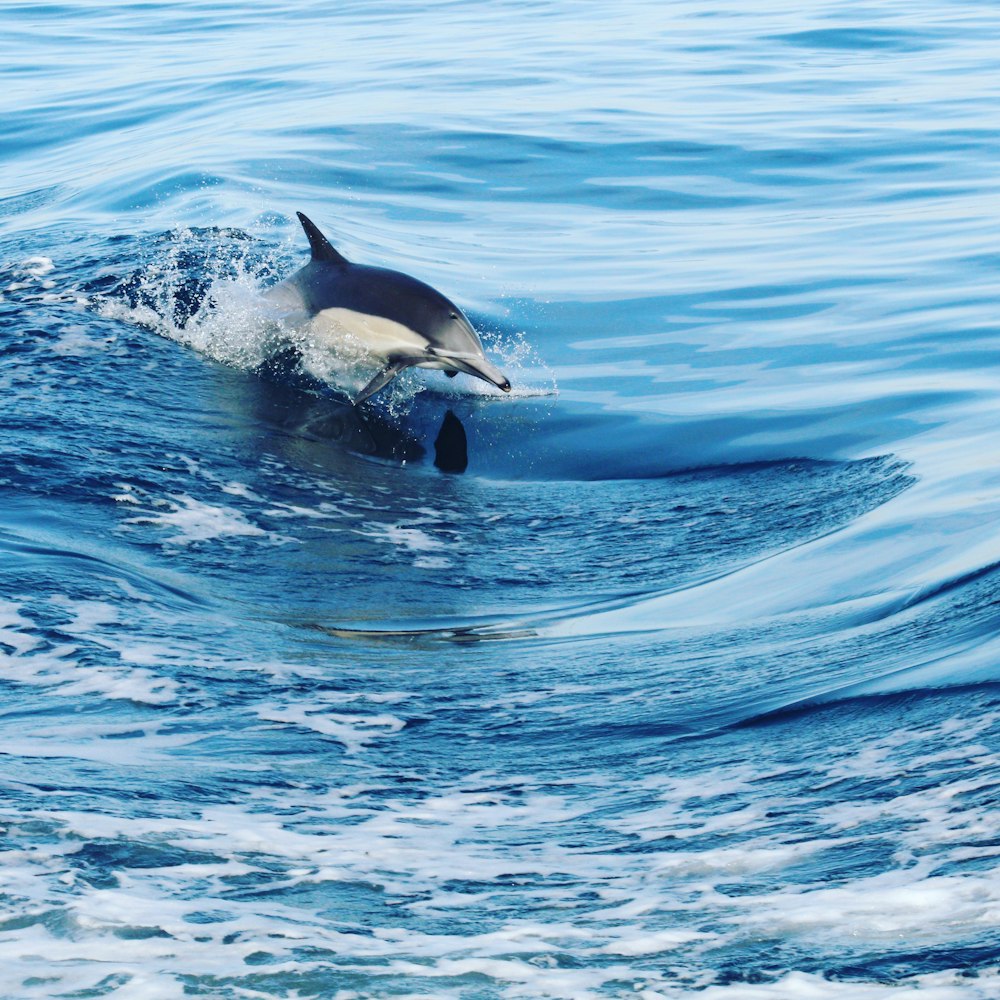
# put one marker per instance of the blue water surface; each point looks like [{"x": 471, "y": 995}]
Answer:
[{"x": 674, "y": 673}]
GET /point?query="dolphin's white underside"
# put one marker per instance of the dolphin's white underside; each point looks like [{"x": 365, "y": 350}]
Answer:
[
  {"x": 379, "y": 338},
  {"x": 359, "y": 337}
]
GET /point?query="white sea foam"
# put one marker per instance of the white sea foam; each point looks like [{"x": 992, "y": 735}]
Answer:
[
  {"x": 408, "y": 848},
  {"x": 427, "y": 550},
  {"x": 412, "y": 539},
  {"x": 14, "y": 628},
  {"x": 240, "y": 490},
  {"x": 75, "y": 342},
  {"x": 64, "y": 669},
  {"x": 38, "y": 267},
  {"x": 193, "y": 521},
  {"x": 950, "y": 985},
  {"x": 353, "y": 731}
]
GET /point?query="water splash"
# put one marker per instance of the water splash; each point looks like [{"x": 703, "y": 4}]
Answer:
[{"x": 210, "y": 289}]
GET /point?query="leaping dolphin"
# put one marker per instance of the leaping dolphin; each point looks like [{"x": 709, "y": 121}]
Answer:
[{"x": 397, "y": 321}]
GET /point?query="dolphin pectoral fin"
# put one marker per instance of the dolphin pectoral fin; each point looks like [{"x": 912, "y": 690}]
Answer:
[
  {"x": 451, "y": 373},
  {"x": 385, "y": 376},
  {"x": 380, "y": 381}
]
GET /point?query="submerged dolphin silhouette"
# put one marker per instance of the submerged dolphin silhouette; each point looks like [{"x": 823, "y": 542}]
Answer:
[{"x": 397, "y": 320}]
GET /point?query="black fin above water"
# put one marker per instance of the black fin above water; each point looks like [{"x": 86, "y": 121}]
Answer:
[
  {"x": 451, "y": 447},
  {"x": 322, "y": 248}
]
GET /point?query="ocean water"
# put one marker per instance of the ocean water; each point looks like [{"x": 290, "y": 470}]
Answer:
[{"x": 672, "y": 674}]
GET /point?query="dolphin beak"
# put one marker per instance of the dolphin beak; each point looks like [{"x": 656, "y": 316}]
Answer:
[{"x": 482, "y": 368}]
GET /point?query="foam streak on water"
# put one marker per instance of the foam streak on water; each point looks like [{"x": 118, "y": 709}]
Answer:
[{"x": 672, "y": 674}]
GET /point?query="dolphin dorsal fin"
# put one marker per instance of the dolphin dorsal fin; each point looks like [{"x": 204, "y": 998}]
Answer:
[{"x": 322, "y": 248}]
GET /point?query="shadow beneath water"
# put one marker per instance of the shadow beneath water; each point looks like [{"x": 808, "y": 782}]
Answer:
[{"x": 430, "y": 427}]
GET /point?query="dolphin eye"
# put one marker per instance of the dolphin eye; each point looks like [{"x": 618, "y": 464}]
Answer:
[{"x": 453, "y": 315}]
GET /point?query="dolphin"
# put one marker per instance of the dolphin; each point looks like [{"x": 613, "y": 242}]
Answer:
[{"x": 397, "y": 321}]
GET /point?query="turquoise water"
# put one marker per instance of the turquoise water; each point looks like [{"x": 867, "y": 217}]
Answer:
[{"x": 674, "y": 673}]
